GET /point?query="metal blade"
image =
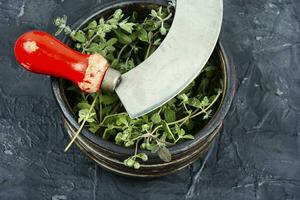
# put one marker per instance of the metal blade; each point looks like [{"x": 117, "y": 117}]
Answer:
[{"x": 177, "y": 62}]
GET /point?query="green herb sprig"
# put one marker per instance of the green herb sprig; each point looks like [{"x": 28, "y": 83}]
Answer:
[{"x": 126, "y": 41}]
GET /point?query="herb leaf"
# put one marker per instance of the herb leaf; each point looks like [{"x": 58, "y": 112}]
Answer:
[
  {"x": 156, "y": 119},
  {"x": 164, "y": 154},
  {"x": 170, "y": 115}
]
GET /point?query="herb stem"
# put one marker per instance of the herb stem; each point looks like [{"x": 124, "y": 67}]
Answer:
[
  {"x": 148, "y": 50},
  {"x": 191, "y": 116},
  {"x": 100, "y": 109},
  {"x": 121, "y": 51},
  {"x": 184, "y": 105},
  {"x": 83, "y": 123},
  {"x": 168, "y": 17},
  {"x": 186, "y": 118},
  {"x": 136, "y": 147},
  {"x": 85, "y": 46},
  {"x": 115, "y": 127},
  {"x": 208, "y": 107}
]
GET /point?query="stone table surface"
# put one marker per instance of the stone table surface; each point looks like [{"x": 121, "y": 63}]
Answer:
[{"x": 257, "y": 155}]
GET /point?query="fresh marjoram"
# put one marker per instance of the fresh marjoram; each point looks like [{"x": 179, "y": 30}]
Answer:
[{"x": 126, "y": 41}]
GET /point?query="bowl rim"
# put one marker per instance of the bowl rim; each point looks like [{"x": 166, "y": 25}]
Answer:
[{"x": 213, "y": 123}]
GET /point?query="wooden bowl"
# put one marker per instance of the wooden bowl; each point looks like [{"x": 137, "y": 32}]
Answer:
[{"x": 111, "y": 156}]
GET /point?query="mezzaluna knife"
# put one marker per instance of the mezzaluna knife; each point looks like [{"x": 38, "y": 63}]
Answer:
[{"x": 173, "y": 66}]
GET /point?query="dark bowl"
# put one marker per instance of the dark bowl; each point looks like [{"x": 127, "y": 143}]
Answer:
[{"x": 109, "y": 155}]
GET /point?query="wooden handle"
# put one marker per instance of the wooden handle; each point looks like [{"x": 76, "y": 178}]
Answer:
[{"x": 41, "y": 53}]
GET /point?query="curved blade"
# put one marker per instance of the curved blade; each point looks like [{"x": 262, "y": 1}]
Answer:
[{"x": 179, "y": 59}]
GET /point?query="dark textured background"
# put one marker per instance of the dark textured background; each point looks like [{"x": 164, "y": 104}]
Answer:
[{"x": 257, "y": 154}]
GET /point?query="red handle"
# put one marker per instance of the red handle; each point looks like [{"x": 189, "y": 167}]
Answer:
[{"x": 41, "y": 53}]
